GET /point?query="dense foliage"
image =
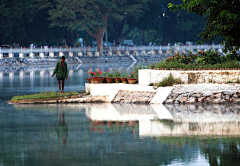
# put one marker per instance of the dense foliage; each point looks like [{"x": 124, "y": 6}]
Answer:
[
  {"x": 60, "y": 22},
  {"x": 208, "y": 59},
  {"x": 223, "y": 19}
]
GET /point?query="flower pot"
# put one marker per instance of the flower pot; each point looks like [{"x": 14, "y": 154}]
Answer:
[
  {"x": 110, "y": 80},
  {"x": 117, "y": 80},
  {"x": 101, "y": 79},
  {"x": 89, "y": 80},
  {"x": 132, "y": 80},
  {"x": 95, "y": 79},
  {"x": 124, "y": 80}
]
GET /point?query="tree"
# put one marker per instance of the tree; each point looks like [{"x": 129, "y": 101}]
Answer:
[
  {"x": 131, "y": 11},
  {"x": 223, "y": 19},
  {"x": 91, "y": 15},
  {"x": 13, "y": 16}
]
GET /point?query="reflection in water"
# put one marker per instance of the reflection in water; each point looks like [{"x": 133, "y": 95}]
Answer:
[
  {"x": 108, "y": 134},
  {"x": 62, "y": 128}
]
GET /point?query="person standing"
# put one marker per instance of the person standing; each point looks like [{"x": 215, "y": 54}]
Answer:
[{"x": 61, "y": 72}]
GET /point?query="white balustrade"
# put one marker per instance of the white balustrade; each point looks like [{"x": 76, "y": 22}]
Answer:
[
  {"x": 80, "y": 54},
  {"x": 31, "y": 55},
  {"x": 160, "y": 52},
  {"x": 10, "y": 55},
  {"x": 144, "y": 52},
  {"x": 21, "y": 55},
  {"x": 135, "y": 53},
  {"x": 41, "y": 55},
  {"x": 97, "y": 54},
  {"x": 51, "y": 54},
  {"x": 89, "y": 54},
  {"x": 61, "y": 54},
  {"x": 70, "y": 54},
  {"x": 119, "y": 53},
  {"x": 109, "y": 53}
]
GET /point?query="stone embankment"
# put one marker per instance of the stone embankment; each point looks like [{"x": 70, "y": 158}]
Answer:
[
  {"x": 133, "y": 97},
  {"x": 33, "y": 61},
  {"x": 205, "y": 93},
  {"x": 83, "y": 59}
]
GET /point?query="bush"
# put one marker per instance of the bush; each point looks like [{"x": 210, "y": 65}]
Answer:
[
  {"x": 169, "y": 81},
  {"x": 208, "y": 59}
]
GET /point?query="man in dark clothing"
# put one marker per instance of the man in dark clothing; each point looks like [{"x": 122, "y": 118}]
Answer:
[{"x": 61, "y": 72}]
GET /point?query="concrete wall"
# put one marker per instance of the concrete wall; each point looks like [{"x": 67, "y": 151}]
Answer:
[
  {"x": 147, "y": 76},
  {"x": 111, "y": 90}
]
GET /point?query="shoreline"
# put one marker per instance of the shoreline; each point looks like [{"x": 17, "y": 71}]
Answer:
[{"x": 197, "y": 94}]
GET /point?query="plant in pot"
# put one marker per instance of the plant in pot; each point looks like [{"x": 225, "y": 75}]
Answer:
[
  {"x": 96, "y": 75},
  {"x": 117, "y": 76},
  {"x": 109, "y": 77},
  {"x": 124, "y": 76},
  {"x": 91, "y": 74},
  {"x": 132, "y": 78},
  {"x": 102, "y": 78}
]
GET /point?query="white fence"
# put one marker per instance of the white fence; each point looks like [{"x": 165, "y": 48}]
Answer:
[{"x": 107, "y": 49}]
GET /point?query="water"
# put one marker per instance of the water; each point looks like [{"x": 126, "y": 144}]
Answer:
[{"x": 93, "y": 134}]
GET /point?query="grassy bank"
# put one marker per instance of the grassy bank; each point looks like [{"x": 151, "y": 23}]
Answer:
[{"x": 44, "y": 95}]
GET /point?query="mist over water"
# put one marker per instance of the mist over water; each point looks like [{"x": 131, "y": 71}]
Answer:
[{"x": 108, "y": 134}]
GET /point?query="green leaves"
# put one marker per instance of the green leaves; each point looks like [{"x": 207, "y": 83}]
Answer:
[{"x": 223, "y": 19}]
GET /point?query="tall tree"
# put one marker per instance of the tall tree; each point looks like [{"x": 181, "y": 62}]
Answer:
[
  {"x": 223, "y": 19},
  {"x": 131, "y": 11},
  {"x": 13, "y": 16}
]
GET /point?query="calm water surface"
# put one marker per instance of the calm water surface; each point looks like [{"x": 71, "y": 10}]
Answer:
[{"x": 93, "y": 134}]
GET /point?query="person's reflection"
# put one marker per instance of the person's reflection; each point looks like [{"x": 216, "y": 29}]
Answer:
[{"x": 62, "y": 128}]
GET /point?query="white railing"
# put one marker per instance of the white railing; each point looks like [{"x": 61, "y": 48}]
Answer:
[{"x": 113, "y": 49}]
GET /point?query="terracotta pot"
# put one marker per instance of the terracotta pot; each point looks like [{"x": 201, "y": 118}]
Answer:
[
  {"x": 110, "y": 80},
  {"x": 124, "y": 80},
  {"x": 117, "y": 80},
  {"x": 89, "y": 80},
  {"x": 132, "y": 80},
  {"x": 101, "y": 79},
  {"x": 95, "y": 79}
]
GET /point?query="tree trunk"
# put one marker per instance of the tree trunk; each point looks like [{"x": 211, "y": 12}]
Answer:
[{"x": 100, "y": 45}]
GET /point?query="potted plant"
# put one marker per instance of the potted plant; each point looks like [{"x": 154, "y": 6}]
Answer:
[
  {"x": 96, "y": 75},
  {"x": 109, "y": 77},
  {"x": 102, "y": 77},
  {"x": 124, "y": 77},
  {"x": 117, "y": 75},
  {"x": 132, "y": 78},
  {"x": 91, "y": 74}
]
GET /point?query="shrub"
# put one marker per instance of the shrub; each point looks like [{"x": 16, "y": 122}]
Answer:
[{"x": 169, "y": 81}]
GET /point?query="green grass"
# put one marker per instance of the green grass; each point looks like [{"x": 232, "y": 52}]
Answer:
[{"x": 43, "y": 95}]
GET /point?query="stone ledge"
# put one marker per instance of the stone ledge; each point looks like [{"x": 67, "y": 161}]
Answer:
[{"x": 147, "y": 76}]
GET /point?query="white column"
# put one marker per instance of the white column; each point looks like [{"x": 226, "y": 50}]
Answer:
[
  {"x": 31, "y": 55},
  {"x": 51, "y": 54},
  {"x": 41, "y": 55},
  {"x": 80, "y": 54},
  {"x": 1, "y": 56},
  {"x": 70, "y": 54},
  {"x": 61, "y": 54},
  {"x": 21, "y": 55},
  {"x": 10, "y": 55}
]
